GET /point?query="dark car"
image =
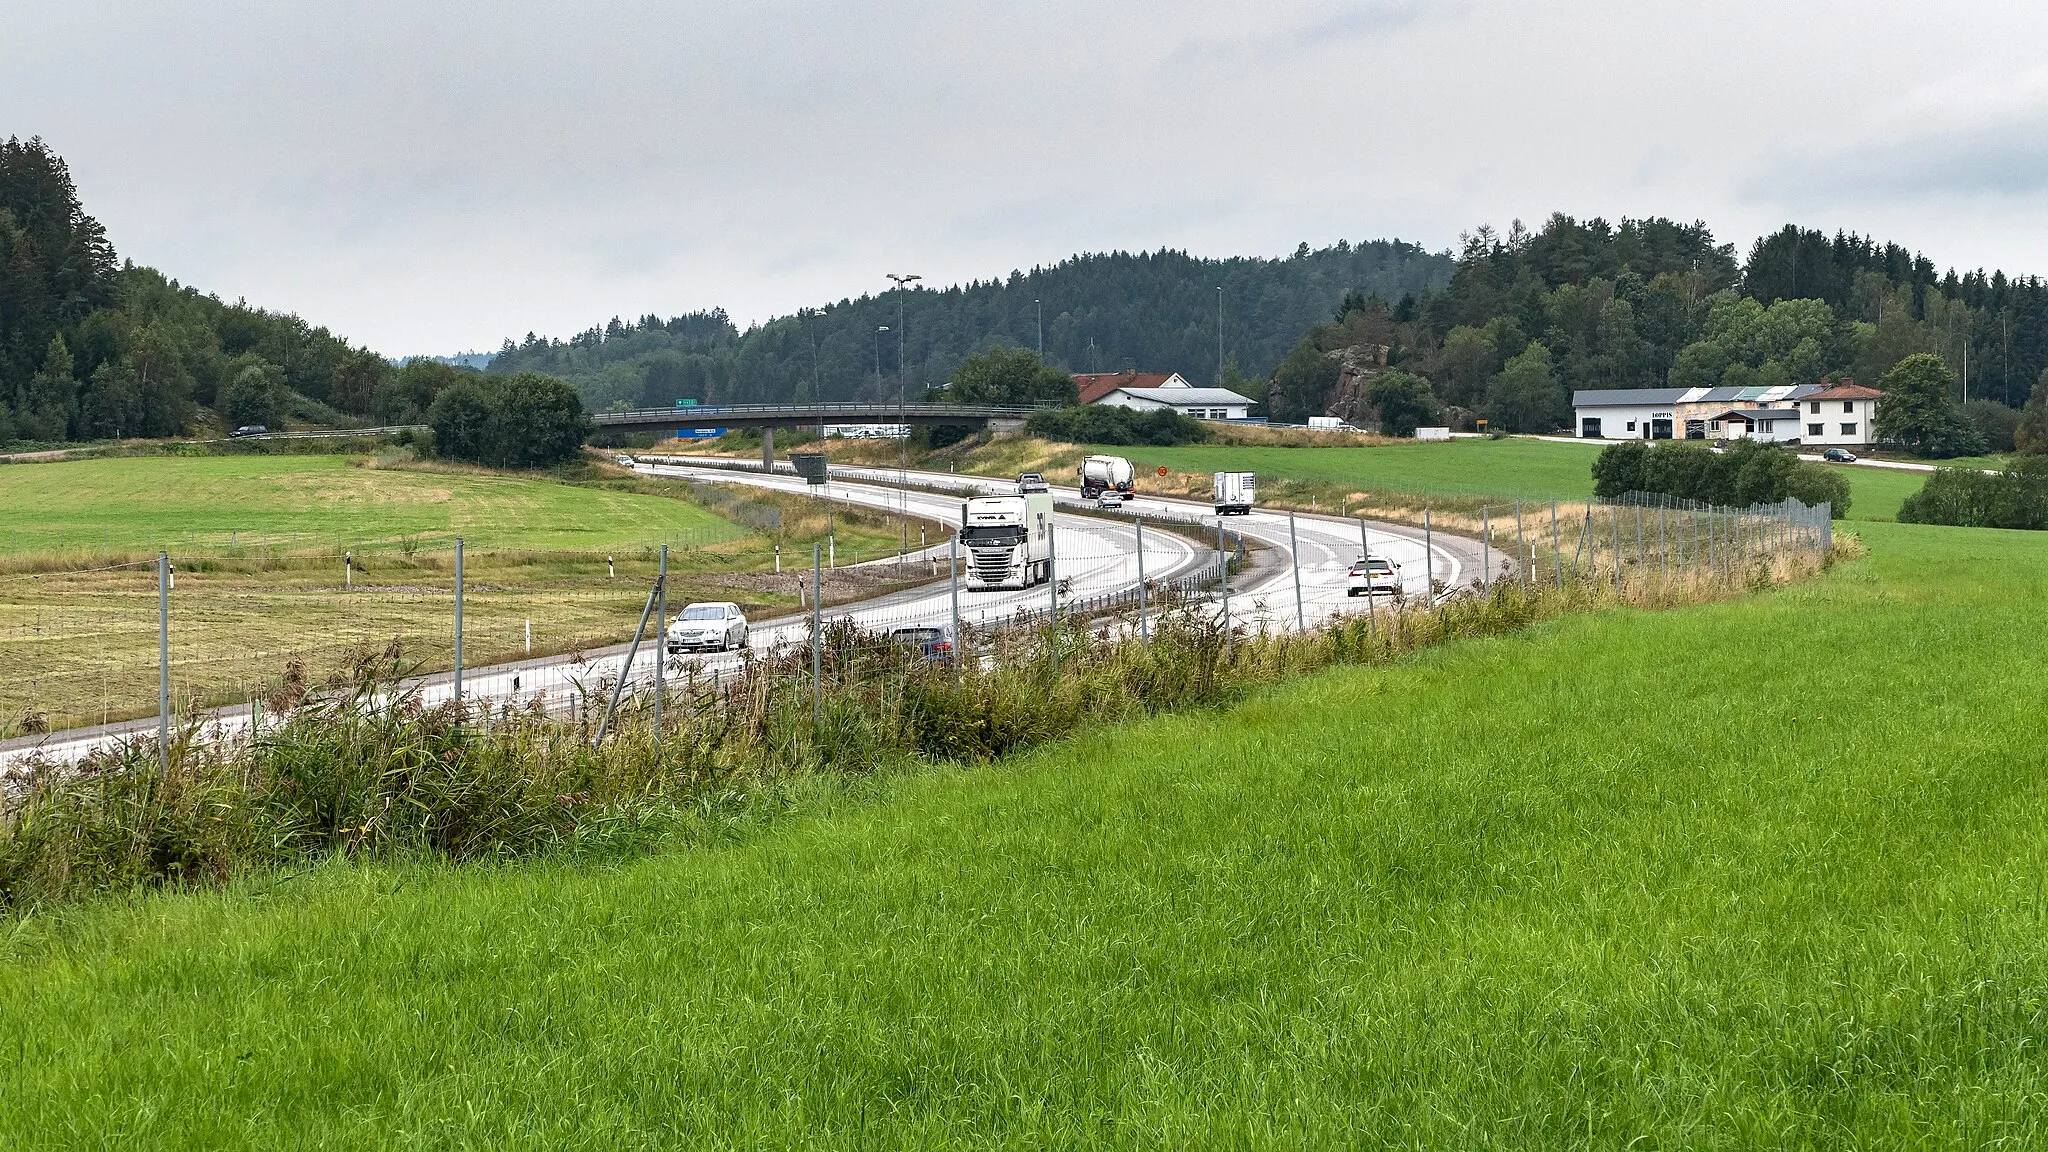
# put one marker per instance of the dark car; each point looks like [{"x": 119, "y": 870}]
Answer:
[
  {"x": 249, "y": 430},
  {"x": 932, "y": 641},
  {"x": 1838, "y": 456}
]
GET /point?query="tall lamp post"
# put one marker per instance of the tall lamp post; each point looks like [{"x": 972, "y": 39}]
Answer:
[{"x": 903, "y": 281}]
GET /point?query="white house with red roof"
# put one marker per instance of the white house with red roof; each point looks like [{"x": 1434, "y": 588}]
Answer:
[
  {"x": 1839, "y": 414},
  {"x": 1152, "y": 390}
]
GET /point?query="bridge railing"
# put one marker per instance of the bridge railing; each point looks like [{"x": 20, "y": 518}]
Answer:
[{"x": 812, "y": 413}]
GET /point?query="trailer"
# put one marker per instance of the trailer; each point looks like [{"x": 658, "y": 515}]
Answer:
[
  {"x": 1101, "y": 474},
  {"x": 1234, "y": 493}
]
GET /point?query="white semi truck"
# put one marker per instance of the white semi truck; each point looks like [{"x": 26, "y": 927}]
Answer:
[
  {"x": 1101, "y": 474},
  {"x": 1234, "y": 493},
  {"x": 1008, "y": 540}
]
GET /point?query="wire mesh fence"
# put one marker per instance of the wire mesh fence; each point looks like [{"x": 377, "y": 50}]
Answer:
[{"x": 253, "y": 630}]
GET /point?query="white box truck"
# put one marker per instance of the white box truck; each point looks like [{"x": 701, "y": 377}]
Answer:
[
  {"x": 1328, "y": 424},
  {"x": 1234, "y": 493},
  {"x": 1100, "y": 474},
  {"x": 1008, "y": 541}
]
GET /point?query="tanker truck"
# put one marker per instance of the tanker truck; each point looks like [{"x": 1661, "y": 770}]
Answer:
[
  {"x": 1008, "y": 541},
  {"x": 1100, "y": 474}
]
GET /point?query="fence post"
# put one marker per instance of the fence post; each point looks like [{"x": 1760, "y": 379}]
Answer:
[
  {"x": 1521, "y": 547},
  {"x": 1556, "y": 551},
  {"x": 626, "y": 669},
  {"x": 1294, "y": 556},
  {"x": 1663, "y": 549},
  {"x": 1485, "y": 546},
  {"x": 458, "y": 622},
  {"x": 1372, "y": 623},
  {"x": 1428, "y": 562},
  {"x": 817, "y": 639},
  {"x": 1614, "y": 522},
  {"x": 163, "y": 660},
  {"x": 953, "y": 580},
  {"x": 661, "y": 640},
  {"x": 1223, "y": 568},
  {"x": 1144, "y": 626}
]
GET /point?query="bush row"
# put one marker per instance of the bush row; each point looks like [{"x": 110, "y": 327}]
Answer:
[
  {"x": 1108, "y": 424},
  {"x": 1748, "y": 472},
  {"x": 1968, "y": 497}
]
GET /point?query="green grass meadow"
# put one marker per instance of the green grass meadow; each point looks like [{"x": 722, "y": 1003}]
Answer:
[
  {"x": 128, "y": 504},
  {"x": 1512, "y": 469},
  {"x": 1767, "y": 872}
]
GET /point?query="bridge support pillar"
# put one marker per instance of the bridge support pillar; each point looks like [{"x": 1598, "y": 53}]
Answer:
[{"x": 768, "y": 449}]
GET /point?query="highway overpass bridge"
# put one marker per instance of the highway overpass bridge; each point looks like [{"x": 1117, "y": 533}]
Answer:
[{"x": 769, "y": 417}]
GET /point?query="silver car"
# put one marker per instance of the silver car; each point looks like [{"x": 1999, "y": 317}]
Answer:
[{"x": 716, "y": 627}]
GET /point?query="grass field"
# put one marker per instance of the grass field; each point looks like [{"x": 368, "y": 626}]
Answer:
[
  {"x": 145, "y": 503},
  {"x": 1761, "y": 873},
  {"x": 1513, "y": 469},
  {"x": 570, "y": 562}
]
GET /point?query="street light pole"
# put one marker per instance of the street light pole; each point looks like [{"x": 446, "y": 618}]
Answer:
[
  {"x": 1040, "y": 305},
  {"x": 902, "y": 421}
]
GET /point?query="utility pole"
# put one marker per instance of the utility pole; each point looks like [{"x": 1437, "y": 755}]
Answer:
[{"x": 1040, "y": 305}]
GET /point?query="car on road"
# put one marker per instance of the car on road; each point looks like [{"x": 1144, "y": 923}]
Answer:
[
  {"x": 1838, "y": 456},
  {"x": 932, "y": 641},
  {"x": 624, "y": 461},
  {"x": 1110, "y": 500},
  {"x": 1373, "y": 575},
  {"x": 717, "y": 627},
  {"x": 249, "y": 430},
  {"x": 1032, "y": 482}
]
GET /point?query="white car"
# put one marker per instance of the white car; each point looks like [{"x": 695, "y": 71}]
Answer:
[
  {"x": 1109, "y": 500},
  {"x": 712, "y": 627},
  {"x": 1373, "y": 575},
  {"x": 625, "y": 461}
]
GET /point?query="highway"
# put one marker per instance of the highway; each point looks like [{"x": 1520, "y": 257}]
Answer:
[{"x": 1095, "y": 555}]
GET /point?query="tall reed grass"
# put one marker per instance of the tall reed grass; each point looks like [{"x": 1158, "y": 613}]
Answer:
[{"x": 362, "y": 769}]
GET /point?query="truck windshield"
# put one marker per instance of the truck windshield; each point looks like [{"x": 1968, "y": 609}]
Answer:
[{"x": 997, "y": 534}]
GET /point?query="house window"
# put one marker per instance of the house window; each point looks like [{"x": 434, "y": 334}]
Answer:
[
  {"x": 1848, "y": 429},
  {"x": 1813, "y": 407},
  {"x": 1814, "y": 429},
  {"x": 1631, "y": 425},
  {"x": 1713, "y": 425},
  {"x": 1849, "y": 406},
  {"x": 1766, "y": 425}
]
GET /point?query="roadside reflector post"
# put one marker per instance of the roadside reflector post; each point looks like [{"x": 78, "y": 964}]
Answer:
[
  {"x": 1485, "y": 547},
  {"x": 1428, "y": 559},
  {"x": 348, "y": 570}
]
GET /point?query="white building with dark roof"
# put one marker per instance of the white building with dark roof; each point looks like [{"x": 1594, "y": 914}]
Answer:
[
  {"x": 1146, "y": 391},
  {"x": 1824, "y": 413}
]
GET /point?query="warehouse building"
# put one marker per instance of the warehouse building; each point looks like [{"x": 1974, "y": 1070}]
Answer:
[{"x": 1820, "y": 414}]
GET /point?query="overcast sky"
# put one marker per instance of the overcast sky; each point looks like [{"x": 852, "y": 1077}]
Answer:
[{"x": 430, "y": 177}]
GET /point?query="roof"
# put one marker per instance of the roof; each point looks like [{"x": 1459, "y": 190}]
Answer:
[
  {"x": 1640, "y": 397},
  {"x": 1751, "y": 414},
  {"x": 1846, "y": 390},
  {"x": 1184, "y": 397},
  {"x": 1095, "y": 385}
]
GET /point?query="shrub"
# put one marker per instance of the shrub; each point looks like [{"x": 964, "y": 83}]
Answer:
[
  {"x": 1748, "y": 472},
  {"x": 1969, "y": 498},
  {"x": 1108, "y": 424}
]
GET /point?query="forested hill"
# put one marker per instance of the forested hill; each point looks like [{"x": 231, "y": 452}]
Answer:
[
  {"x": 93, "y": 348},
  {"x": 1531, "y": 316},
  {"x": 1155, "y": 311}
]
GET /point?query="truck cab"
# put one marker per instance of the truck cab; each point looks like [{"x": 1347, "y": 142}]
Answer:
[{"x": 1008, "y": 541}]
